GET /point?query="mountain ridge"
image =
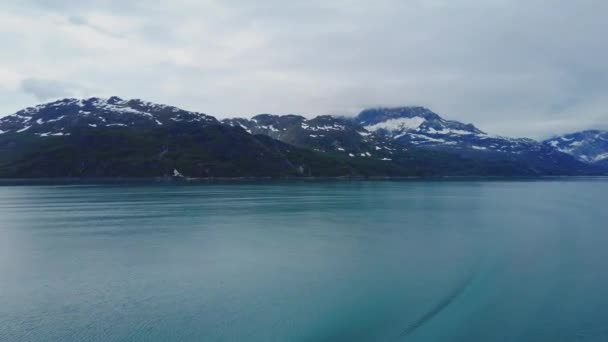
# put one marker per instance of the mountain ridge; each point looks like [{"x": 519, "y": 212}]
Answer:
[
  {"x": 382, "y": 141},
  {"x": 590, "y": 146}
]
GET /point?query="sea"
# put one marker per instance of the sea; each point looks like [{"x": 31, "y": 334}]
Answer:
[{"x": 407, "y": 260}]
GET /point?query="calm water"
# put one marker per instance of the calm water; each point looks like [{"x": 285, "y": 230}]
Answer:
[{"x": 334, "y": 261}]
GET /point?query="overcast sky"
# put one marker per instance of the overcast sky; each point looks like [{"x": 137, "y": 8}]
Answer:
[{"x": 513, "y": 67}]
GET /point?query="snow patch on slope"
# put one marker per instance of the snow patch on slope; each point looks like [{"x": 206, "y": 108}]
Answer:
[
  {"x": 600, "y": 157},
  {"x": 398, "y": 124}
]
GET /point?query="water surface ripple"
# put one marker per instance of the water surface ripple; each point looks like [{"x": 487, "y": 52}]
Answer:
[{"x": 306, "y": 261}]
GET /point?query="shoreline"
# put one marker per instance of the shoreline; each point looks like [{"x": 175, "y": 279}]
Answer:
[{"x": 210, "y": 180}]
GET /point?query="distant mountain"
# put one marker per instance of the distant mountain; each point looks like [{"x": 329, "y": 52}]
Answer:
[
  {"x": 391, "y": 133},
  {"x": 322, "y": 134},
  {"x": 132, "y": 138},
  {"x": 588, "y": 146},
  {"x": 341, "y": 137},
  {"x": 112, "y": 137},
  {"x": 61, "y": 117},
  {"x": 423, "y": 128}
]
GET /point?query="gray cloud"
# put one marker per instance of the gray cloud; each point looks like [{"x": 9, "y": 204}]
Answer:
[
  {"x": 77, "y": 20},
  {"x": 43, "y": 89},
  {"x": 524, "y": 68},
  {"x": 82, "y": 21}
]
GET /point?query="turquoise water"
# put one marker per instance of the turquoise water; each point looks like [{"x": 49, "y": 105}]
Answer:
[{"x": 327, "y": 261}]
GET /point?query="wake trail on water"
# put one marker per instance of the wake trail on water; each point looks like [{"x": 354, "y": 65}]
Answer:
[{"x": 439, "y": 307}]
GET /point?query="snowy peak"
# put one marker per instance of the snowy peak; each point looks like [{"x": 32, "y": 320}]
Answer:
[
  {"x": 589, "y": 146},
  {"x": 386, "y": 129},
  {"x": 398, "y": 124},
  {"x": 374, "y": 116},
  {"x": 399, "y": 120},
  {"x": 422, "y": 127},
  {"x": 382, "y": 137},
  {"x": 62, "y": 116}
]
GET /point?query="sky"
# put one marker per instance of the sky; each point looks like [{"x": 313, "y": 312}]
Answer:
[{"x": 532, "y": 68}]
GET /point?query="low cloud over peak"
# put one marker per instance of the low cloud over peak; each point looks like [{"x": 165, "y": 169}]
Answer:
[{"x": 45, "y": 89}]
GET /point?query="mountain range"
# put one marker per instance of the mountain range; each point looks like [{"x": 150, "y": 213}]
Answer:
[
  {"x": 113, "y": 137},
  {"x": 587, "y": 146}
]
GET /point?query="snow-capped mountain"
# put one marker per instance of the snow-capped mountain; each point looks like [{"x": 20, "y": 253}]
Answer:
[
  {"x": 589, "y": 146},
  {"x": 61, "y": 117},
  {"x": 396, "y": 133},
  {"x": 423, "y": 128},
  {"x": 323, "y": 133},
  {"x": 402, "y": 119},
  {"x": 115, "y": 137}
]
